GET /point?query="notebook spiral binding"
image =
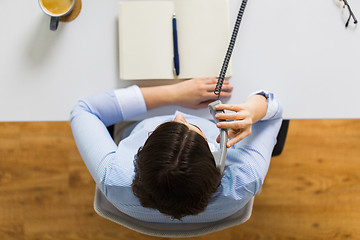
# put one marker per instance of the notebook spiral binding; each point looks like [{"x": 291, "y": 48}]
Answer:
[{"x": 224, "y": 67}]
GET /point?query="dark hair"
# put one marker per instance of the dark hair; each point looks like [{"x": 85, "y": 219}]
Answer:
[{"x": 175, "y": 171}]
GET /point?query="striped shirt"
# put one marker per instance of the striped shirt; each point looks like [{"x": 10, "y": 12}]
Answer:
[{"x": 112, "y": 167}]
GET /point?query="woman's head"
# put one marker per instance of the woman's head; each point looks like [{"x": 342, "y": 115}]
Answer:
[{"x": 175, "y": 171}]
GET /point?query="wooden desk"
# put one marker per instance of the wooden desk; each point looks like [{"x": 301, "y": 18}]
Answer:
[{"x": 298, "y": 49}]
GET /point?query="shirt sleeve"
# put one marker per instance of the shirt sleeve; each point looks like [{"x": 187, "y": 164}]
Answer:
[
  {"x": 254, "y": 152},
  {"x": 89, "y": 119},
  {"x": 274, "y": 108}
]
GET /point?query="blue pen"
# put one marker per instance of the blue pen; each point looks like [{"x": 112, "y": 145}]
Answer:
[{"x": 176, "y": 50}]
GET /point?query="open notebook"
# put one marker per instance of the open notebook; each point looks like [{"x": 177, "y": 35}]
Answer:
[{"x": 146, "y": 41}]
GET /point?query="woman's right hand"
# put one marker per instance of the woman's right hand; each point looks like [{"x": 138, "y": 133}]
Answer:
[
  {"x": 242, "y": 116},
  {"x": 240, "y": 127}
]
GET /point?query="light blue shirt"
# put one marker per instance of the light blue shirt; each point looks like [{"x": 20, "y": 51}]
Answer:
[{"x": 112, "y": 167}]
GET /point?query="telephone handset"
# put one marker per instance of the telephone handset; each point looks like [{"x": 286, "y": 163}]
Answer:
[{"x": 220, "y": 155}]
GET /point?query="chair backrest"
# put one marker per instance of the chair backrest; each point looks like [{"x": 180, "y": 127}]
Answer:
[{"x": 105, "y": 209}]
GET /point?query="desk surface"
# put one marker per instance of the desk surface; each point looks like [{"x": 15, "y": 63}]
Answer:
[{"x": 298, "y": 49}]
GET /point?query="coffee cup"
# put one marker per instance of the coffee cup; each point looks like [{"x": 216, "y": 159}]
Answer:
[{"x": 56, "y": 9}]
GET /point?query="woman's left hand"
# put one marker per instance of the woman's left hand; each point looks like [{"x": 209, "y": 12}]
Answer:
[{"x": 198, "y": 92}]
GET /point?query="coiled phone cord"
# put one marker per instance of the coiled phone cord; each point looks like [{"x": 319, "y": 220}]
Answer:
[{"x": 221, "y": 79}]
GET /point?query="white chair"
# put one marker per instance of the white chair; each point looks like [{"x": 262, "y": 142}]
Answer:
[{"x": 105, "y": 209}]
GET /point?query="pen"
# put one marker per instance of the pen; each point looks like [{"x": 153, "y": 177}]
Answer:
[{"x": 176, "y": 50}]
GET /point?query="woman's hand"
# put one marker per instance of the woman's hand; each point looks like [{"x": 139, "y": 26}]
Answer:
[
  {"x": 243, "y": 116},
  {"x": 240, "y": 127},
  {"x": 198, "y": 92},
  {"x": 194, "y": 93}
]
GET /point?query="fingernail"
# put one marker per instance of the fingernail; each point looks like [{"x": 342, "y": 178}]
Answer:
[
  {"x": 218, "y": 124},
  {"x": 217, "y": 116}
]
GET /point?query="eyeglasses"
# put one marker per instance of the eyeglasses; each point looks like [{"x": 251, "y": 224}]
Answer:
[{"x": 346, "y": 4}]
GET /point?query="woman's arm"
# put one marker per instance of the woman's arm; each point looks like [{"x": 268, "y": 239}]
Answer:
[
  {"x": 194, "y": 93},
  {"x": 260, "y": 115},
  {"x": 89, "y": 119},
  {"x": 260, "y": 106},
  {"x": 90, "y": 116}
]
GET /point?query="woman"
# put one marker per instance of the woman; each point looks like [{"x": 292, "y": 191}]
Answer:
[{"x": 164, "y": 170}]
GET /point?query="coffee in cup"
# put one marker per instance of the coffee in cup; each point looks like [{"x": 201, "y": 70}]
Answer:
[{"x": 55, "y": 9}]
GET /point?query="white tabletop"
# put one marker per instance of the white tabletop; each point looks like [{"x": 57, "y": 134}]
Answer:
[{"x": 298, "y": 49}]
